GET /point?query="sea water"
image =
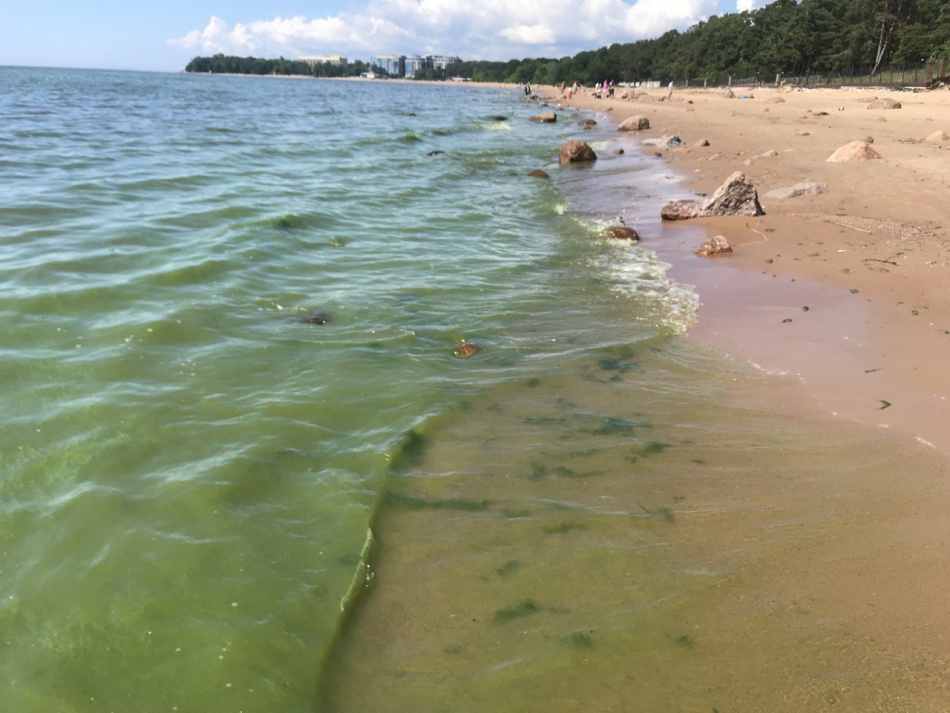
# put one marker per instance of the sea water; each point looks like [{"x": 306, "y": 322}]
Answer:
[{"x": 212, "y": 500}]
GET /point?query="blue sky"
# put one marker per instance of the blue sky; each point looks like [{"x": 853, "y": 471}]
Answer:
[{"x": 164, "y": 34}]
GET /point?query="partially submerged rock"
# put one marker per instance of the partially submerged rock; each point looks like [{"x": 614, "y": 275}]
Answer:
[
  {"x": 634, "y": 123},
  {"x": 717, "y": 245},
  {"x": 855, "y": 151},
  {"x": 806, "y": 188},
  {"x": 885, "y": 103},
  {"x": 538, "y": 173},
  {"x": 622, "y": 232},
  {"x": 548, "y": 117},
  {"x": 587, "y": 122},
  {"x": 464, "y": 349},
  {"x": 736, "y": 196},
  {"x": 576, "y": 152},
  {"x": 316, "y": 318}
]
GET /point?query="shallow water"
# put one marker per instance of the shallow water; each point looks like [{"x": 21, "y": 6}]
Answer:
[{"x": 188, "y": 468}]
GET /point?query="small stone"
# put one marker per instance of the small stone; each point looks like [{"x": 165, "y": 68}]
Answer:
[
  {"x": 619, "y": 152},
  {"x": 701, "y": 143},
  {"x": 538, "y": 173},
  {"x": 464, "y": 349},
  {"x": 717, "y": 245},
  {"x": 316, "y": 318},
  {"x": 622, "y": 232}
]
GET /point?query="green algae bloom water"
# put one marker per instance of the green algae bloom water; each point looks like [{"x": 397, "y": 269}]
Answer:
[{"x": 230, "y": 308}]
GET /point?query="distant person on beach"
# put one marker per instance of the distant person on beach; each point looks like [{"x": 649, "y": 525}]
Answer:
[{"x": 670, "y": 95}]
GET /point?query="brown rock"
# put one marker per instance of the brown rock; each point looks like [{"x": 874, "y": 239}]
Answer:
[
  {"x": 587, "y": 122},
  {"x": 885, "y": 103},
  {"x": 775, "y": 100},
  {"x": 576, "y": 152},
  {"x": 681, "y": 210},
  {"x": 538, "y": 173},
  {"x": 634, "y": 123},
  {"x": 619, "y": 152},
  {"x": 855, "y": 151},
  {"x": 701, "y": 143},
  {"x": 464, "y": 349},
  {"x": 622, "y": 232},
  {"x": 548, "y": 117},
  {"x": 316, "y": 318},
  {"x": 717, "y": 245}
]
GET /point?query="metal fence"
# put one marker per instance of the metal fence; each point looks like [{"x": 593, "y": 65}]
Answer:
[{"x": 926, "y": 74}]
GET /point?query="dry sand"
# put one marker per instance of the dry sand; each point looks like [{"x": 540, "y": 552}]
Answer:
[{"x": 869, "y": 259}]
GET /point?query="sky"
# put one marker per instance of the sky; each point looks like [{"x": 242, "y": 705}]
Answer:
[{"x": 162, "y": 35}]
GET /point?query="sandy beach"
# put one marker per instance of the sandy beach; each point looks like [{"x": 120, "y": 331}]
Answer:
[{"x": 868, "y": 259}]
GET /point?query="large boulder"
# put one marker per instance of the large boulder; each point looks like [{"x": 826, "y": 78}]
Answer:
[
  {"x": 806, "y": 188},
  {"x": 736, "y": 196},
  {"x": 548, "y": 117},
  {"x": 855, "y": 151},
  {"x": 716, "y": 245},
  {"x": 576, "y": 152},
  {"x": 885, "y": 103},
  {"x": 634, "y": 123}
]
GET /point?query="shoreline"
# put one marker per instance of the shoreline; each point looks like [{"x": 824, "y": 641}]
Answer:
[{"x": 843, "y": 290}]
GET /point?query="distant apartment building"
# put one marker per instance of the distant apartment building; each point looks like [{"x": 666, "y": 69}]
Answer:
[
  {"x": 315, "y": 59},
  {"x": 441, "y": 61},
  {"x": 403, "y": 66},
  {"x": 393, "y": 64}
]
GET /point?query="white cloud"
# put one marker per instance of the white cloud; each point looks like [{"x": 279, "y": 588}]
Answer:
[{"x": 472, "y": 29}]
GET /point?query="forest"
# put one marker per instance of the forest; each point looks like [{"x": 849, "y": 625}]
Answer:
[{"x": 785, "y": 36}]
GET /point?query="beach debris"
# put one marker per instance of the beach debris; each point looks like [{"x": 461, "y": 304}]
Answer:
[
  {"x": 622, "y": 232},
  {"x": 885, "y": 103},
  {"x": 548, "y": 117},
  {"x": 855, "y": 151},
  {"x": 316, "y": 318},
  {"x": 538, "y": 173},
  {"x": 716, "y": 245},
  {"x": 805, "y": 188},
  {"x": 701, "y": 143},
  {"x": 938, "y": 137},
  {"x": 736, "y": 196},
  {"x": 464, "y": 349},
  {"x": 634, "y": 123},
  {"x": 576, "y": 152},
  {"x": 884, "y": 404}
]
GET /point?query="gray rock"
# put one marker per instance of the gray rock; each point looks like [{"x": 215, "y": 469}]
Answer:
[
  {"x": 807, "y": 188},
  {"x": 736, "y": 196}
]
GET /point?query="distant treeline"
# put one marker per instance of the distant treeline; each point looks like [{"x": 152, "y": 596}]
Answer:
[
  {"x": 786, "y": 36},
  {"x": 223, "y": 64}
]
